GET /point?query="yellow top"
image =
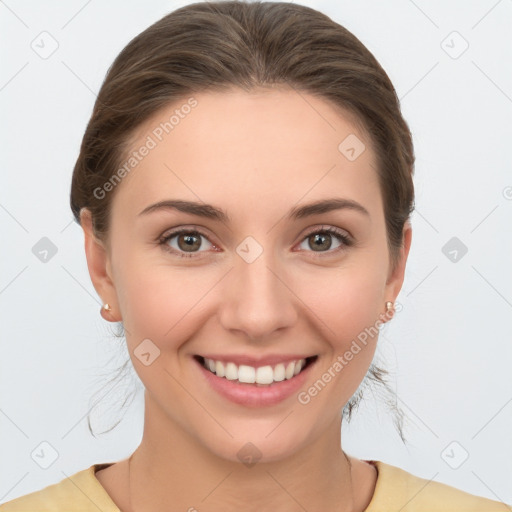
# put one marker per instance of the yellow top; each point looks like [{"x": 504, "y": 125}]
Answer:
[{"x": 396, "y": 490}]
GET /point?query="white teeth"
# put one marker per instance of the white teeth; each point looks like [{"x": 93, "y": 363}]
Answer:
[
  {"x": 279, "y": 372},
  {"x": 231, "y": 371},
  {"x": 265, "y": 375},
  {"x": 246, "y": 374},
  {"x": 250, "y": 375},
  {"x": 219, "y": 369},
  {"x": 289, "y": 370}
]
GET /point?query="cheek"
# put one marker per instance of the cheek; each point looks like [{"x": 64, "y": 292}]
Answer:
[
  {"x": 346, "y": 304},
  {"x": 160, "y": 302},
  {"x": 348, "y": 309},
  {"x": 345, "y": 300}
]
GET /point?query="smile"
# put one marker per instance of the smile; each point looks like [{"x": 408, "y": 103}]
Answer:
[
  {"x": 263, "y": 375},
  {"x": 261, "y": 385}
]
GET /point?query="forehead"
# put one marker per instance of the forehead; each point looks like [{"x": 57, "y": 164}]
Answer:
[{"x": 246, "y": 150}]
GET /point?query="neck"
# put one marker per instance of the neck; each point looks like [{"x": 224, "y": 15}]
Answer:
[{"x": 170, "y": 468}]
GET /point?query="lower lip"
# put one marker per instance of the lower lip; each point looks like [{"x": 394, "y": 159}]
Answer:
[{"x": 252, "y": 395}]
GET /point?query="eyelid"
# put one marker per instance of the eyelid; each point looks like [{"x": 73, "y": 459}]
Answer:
[
  {"x": 328, "y": 228},
  {"x": 346, "y": 239},
  {"x": 173, "y": 232}
]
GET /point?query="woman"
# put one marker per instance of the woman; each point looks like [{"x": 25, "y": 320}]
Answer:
[{"x": 245, "y": 188}]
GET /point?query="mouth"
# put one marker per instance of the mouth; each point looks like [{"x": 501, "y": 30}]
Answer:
[
  {"x": 261, "y": 376},
  {"x": 255, "y": 386}
]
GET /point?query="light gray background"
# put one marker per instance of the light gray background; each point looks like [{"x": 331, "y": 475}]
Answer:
[{"x": 450, "y": 347}]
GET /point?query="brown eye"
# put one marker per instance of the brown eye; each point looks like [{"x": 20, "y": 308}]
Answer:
[
  {"x": 184, "y": 242},
  {"x": 189, "y": 242},
  {"x": 321, "y": 240}
]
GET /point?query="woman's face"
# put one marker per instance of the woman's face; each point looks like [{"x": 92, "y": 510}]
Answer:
[{"x": 256, "y": 284}]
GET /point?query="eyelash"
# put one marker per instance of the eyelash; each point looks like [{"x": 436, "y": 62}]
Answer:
[{"x": 346, "y": 241}]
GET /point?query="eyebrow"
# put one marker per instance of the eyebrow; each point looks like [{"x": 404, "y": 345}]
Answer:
[{"x": 209, "y": 211}]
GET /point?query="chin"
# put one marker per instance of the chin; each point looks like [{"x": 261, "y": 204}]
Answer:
[{"x": 254, "y": 445}]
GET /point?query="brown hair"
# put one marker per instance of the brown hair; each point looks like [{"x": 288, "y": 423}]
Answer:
[{"x": 224, "y": 44}]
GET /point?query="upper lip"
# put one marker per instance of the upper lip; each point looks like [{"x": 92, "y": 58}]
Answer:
[{"x": 256, "y": 362}]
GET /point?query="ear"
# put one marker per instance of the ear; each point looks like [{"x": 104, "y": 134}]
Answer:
[
  {"x": 98, "y": 263},
  {"x": 396, "y": 278}
]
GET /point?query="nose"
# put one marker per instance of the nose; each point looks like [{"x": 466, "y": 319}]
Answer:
[{"x": 257, "y": 300}]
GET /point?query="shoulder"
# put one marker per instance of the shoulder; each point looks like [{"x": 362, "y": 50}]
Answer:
[
  {"x": 80, "y": 492},
  {"x": 398, "y": 490}
]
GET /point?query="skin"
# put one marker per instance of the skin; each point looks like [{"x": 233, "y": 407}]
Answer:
[{"x": 255, "y": 155}]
